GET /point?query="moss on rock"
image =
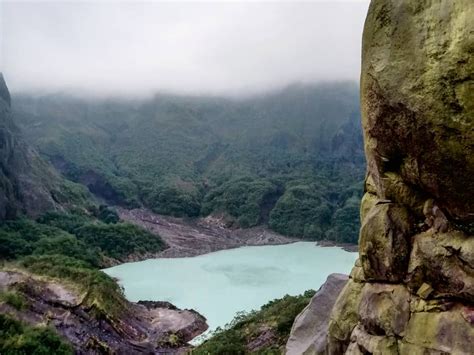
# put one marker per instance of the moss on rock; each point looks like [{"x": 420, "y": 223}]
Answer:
[
  {"x": 383, "y": 243},
  {"x": 344, "y": 317},
  {"x": 415, "y": 291}
]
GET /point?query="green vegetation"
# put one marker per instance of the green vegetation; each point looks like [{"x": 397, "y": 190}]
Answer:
[
  {"x": 24, "y": 237},
  {"x": 319, "y": 211},
  {"x": 77, "y": 236},
  {"x": 119, "y": 240},
  {"x": 274, "y": 318},
  {"x": 259, "y": 160},
  {"x": 14, "y": 299},
  {"x": 240, "y": 198},
  {"x": 69, "y": 247},
  {"x": 17, "y": 338},
  {"x": 102, "y": 292}
]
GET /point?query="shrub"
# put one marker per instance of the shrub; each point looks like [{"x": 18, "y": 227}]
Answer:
[
  {"x": 277, "y": 315},
  {"x": 241, "y": 198},
  {"x": 17, "y": 338},
  {"x": 103, "y": 293},
  {"x": 119, "y": 240},
  {"x": 25, "y": 237},
  {"x": 14, "y": 299}
]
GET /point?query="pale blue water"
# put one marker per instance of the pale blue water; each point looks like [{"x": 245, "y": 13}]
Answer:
[{"x": 220, "y": 284}]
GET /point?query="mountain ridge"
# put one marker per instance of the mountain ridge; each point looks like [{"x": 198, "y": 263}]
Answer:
[
  {"x": 189, "y": 156},
  {"x": 29, "y": 185}
]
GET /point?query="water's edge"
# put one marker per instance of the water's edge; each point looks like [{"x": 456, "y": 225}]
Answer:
[{"x": 220, "y": 284}]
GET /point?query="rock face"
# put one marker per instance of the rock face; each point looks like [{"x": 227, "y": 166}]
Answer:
[
  {"x": 308, "y": 334},
  {"x": 417, "y": 102},
  {"x": 28, "y": 185},
  {"x": 412, "y": 289},
  {"x": 144, "y": 328}
]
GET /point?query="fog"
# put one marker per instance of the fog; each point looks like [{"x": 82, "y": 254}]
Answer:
[{"x": 137, "y": 48}]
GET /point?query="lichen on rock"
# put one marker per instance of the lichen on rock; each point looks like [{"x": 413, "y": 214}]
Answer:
[{"x": 412, "y": 290}]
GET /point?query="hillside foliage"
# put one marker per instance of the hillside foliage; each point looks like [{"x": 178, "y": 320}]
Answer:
[
  {"x": 18, "y": 338},
  {"x": 292, "y": 159},
  {"x": 78, "y": 236},
  {"x": 274, "y": 320}
]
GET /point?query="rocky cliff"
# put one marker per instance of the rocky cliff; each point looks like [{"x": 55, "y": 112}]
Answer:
[
  {"x": 412, "y": 289},
  {"x": 309, "y": 330},
  {"x": 28, "y": 185},
  {"x": 145, "y": 327}
]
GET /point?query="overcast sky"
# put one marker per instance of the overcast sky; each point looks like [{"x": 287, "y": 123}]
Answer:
[{"x": 190, "y": 47}]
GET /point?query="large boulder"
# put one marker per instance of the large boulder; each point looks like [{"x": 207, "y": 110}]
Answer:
[
  {"x": 384, "y": 309},
  {"x": 383, "y": 244},
  {"x": 309, "y": 332},
  {"x": 417, "y": 98},
  {"x": 445, "y": 262},
  {"x": 412, "y": 290},
  {"x": 442, "y": 331},
  {"x": 344, "y": 317},
  {"x": 364, "y": 343}
]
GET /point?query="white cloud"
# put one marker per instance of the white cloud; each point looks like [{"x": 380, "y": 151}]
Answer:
[{"x": 139, "y": 47}]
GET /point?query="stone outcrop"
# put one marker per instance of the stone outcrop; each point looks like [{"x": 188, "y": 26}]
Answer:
[
  {"x": 143, "y": 328},
  {"x": 308, "y": 334},
  {"x": 412, "y": 289},
  {"x": 28, "y": 185}
]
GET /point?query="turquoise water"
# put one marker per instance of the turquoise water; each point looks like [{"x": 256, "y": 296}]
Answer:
[{"x": 220, "y": 284}]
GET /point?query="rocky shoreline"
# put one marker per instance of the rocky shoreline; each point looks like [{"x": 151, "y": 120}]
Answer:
[
  {"x": 144, "y": 327},
  {"x": 187, "y": 237},
  {"x": 192, "y": 237},
  {"x": 345, "y": 246}
]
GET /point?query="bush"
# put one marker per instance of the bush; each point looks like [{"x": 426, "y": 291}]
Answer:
[
  {"x": 172, "y": 199},
  {"x": 114, "y": 240},
  {"x": 103, "y": 293},
  {"x": 303, "y": 211},
  {"x": 16, "y": 300},
  {"x": 241, "y": 198},
  {"x": 277, "y": 315},
  {"x": 68, "y": 245},
  {"x": 17, "y": 338},
  {"x": 119, "y": 240},
  {"x": 25, "y": 237},
  {"x": 106, "y": 214},
  {"x": 346, "y": 221},
  {"x": 66, "y": 221}
]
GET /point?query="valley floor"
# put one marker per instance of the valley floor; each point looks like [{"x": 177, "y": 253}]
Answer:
[{"x": 192, "y": 237}]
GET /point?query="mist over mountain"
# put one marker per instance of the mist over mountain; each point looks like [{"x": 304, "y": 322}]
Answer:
[
  {"x": 28, "y": 185},
  {"x": 291, "y": 158},
  {"x": 137, "y": 48}
]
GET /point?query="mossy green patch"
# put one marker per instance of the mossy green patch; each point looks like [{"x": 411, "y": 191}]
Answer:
[
  {"x": 271, "y": 324},
  {"x": 17, "y": 338}
]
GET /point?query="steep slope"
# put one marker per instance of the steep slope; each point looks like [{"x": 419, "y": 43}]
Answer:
[
  {"x": 53, "y": 298},
  {"x": 28, "y": 184},
  {"x": 412, "y": 290},
  {"x": 263, "y": 159},
  {"x": 90, "y": 313},
  {"x": 263, "y": 331}
]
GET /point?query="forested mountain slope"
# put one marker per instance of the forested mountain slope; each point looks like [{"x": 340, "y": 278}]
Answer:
[
  {"x": 53, "y": 298},
  {"x": 28, "y": 185},
  {"x": 292, "y": 158}
]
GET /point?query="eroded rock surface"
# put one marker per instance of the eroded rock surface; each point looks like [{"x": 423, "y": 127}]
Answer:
[
  {"x": 144, "y": 328},
  {"x": 188, "y": 237},
  {"x": 308, "y": 334},
  {"x": 412, "y": 290}
]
